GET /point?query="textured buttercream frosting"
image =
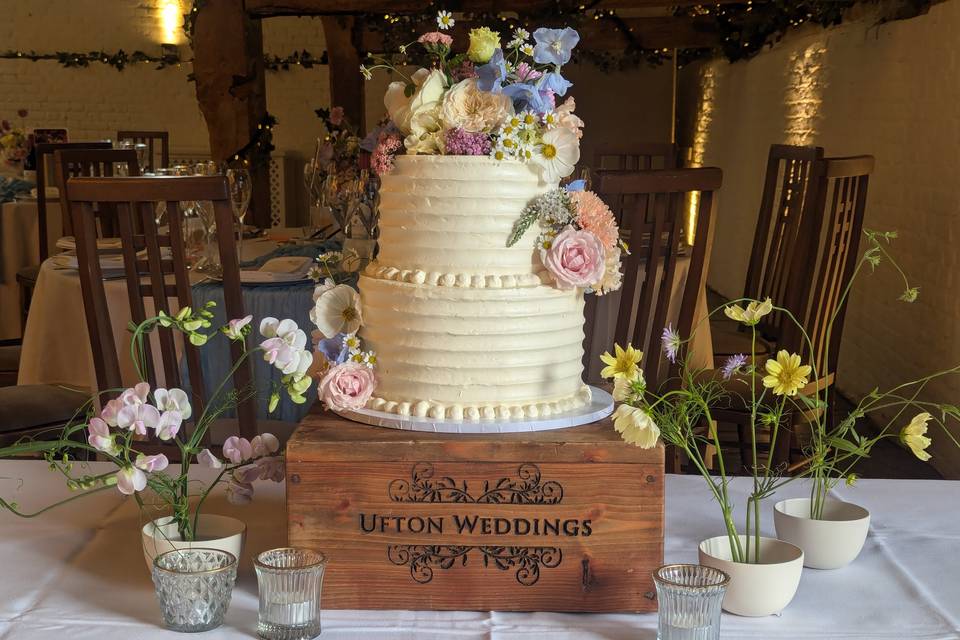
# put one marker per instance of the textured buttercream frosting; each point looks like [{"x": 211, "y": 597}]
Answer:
[{"x": 464, "y": 327}]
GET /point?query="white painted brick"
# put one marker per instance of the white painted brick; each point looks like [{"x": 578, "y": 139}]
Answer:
[{"x": 891, "y": 91}]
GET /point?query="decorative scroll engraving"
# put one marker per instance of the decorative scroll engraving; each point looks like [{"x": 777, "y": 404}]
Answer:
[
  {"x": 423, "y": 559},
  {"x": 525, "y": 488}
]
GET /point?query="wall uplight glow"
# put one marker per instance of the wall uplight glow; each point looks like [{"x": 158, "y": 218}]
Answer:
[
  {"x": 803, "y": 97},
  {"x": 170, "y": 18},
  {"x": 701, "y": 132}
]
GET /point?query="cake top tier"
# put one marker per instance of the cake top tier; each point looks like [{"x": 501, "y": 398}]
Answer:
[{"x": 451, "y": 216}]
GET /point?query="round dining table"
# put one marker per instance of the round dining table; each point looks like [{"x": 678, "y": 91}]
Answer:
[
  {"x": 56, "y": 345},
  {"x": 20, "y": 247}
]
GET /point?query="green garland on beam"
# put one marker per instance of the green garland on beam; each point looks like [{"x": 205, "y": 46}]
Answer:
[
  {"x": 169, "y": 58},
  {"x": 118, "y": 60}
]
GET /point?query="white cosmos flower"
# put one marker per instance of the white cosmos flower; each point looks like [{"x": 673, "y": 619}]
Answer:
[
  {"x": 558, "y": 154},
  {"x": 337, "y": 311}
]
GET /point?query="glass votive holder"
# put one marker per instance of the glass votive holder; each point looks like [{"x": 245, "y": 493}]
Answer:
[
  {"x": 290, "y": 581},
  {"x": 194, "y": 587},
  {"x": 689, "y": 598}
]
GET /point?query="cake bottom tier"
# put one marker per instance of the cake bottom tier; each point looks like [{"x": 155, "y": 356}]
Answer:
[{"x": 474, "y": 353}]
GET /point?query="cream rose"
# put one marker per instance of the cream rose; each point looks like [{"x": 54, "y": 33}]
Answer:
[
  {"x": 428, "y": 91},
  {"x": 425, "y": 132},
  {"x": 467, "y": 107}
]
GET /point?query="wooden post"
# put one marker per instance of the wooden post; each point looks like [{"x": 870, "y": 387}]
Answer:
[
  {"x": 229, "y": 72},
  {"x": 343, "y": 52}
]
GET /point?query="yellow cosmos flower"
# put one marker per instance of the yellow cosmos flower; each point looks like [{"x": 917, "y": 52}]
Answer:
[
  {"x": 623, "y": 365},
  {"x": 752, "y": 314},
  {"x": 913, "y": 436},
  {"x": 636, "y": 427},
  {"x": 786, "y": 375}
]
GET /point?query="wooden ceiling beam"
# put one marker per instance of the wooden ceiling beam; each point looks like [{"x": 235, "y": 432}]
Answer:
[
  {"x": 267, "y": 8},
  {"x": 603, "y": 35}
]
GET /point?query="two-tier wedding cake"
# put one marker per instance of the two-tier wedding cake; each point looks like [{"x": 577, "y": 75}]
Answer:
[
  {"x": 473, "y": 309},
  {"x": 464, "y": 327}
]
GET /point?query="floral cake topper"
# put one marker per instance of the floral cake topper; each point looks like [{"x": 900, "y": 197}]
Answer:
[{"x": 495, "y": 100}]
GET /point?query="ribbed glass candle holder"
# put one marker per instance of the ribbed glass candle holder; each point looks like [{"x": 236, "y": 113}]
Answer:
[
  {"x": 290, "y": 582},
  {"x": 689, "y": 598}
]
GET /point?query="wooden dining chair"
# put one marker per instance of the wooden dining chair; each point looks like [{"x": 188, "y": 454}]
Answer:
[
  {"x": 787, "y": 188},
  {"x": 636, "y": 157},
  {"x": 158, "y": 142},
  {"x": 155, "y": 264},
  {"x": 655, "y": 220},
  {"x": 826, "y": 253},
  {"x": 99, "y": 163},
  {"x": 655, "y": 226},
  {"x": 27, "y": 276}
]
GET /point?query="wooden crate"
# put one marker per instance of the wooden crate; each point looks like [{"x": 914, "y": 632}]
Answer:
[{"x": 566, "y": 520}]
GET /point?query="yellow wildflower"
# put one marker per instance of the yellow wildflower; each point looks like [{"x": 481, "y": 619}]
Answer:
[
  {"x": 623, "y": 365},
  {"x": 752, "y": 314},
  {"x": 913, "y": 436},
  {"x": 786, "y": 375}
]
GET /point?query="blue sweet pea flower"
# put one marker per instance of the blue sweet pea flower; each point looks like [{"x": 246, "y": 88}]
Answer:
[
  {"x": 555, "y": 82},
  {"x": 491, "y": 75},
  {"x": 525, "y": 96},
  {"x": 333, "y": 349},
  {"x": 576, "y": 185},
  {"x": 554, "y": 45}
]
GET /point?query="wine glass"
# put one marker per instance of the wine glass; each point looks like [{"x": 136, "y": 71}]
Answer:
[{"x": 241, "y": 188}]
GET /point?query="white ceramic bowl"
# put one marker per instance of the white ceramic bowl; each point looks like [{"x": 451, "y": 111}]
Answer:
[
  {"x": 756, "y": 589},
  {"x": 213, "y": 532},
  {"x": 829, "y": 543}
]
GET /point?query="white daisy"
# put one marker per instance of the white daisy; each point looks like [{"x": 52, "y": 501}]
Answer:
[
  {"x": 498, "y": 152},
  {"x": 521, "y": 34},
  {"x": 527, "y": 49},
  {"x": 351, "y": 342},
  {"x": 445, "y": 20},
  {"x": 529, "y": 120}
]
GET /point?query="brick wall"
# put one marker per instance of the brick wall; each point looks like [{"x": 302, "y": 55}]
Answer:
[
  {"x": 94, "y": 102},
  {"x": 891, "y": 91}
]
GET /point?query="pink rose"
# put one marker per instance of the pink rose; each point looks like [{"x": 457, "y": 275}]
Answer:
[
  {"x": 347, "y": 386},
  {"x": 336, "y": 116},
  {"x": 574, "y": 259}
]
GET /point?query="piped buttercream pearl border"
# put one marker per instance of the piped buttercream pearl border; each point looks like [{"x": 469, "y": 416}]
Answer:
[
  {"x": 462, "y": 280},
  {"x": 480, "y": 412}
]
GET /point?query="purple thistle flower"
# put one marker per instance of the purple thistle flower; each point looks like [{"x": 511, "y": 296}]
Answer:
[
  {"x": 671, "y": 343},
  {"x": 733, "y": 365}
]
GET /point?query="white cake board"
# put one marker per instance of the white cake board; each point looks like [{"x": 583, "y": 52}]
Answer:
[{"x": 600, "y": 406}]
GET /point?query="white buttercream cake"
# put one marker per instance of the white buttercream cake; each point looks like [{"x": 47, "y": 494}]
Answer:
[{"x": 464, "y": 327}]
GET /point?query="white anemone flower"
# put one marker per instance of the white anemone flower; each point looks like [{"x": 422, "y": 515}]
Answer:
[
  {"x": 337, "y": 311},
  {"x": 558, "y": 154}
]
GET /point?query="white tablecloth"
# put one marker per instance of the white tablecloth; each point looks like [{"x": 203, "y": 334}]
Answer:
[
  {"x": 78, "y": 572},
  {"x": 20, "y": 247}
]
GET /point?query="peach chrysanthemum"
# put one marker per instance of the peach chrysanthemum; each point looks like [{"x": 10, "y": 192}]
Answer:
[{"x": 594, "y": 215}]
